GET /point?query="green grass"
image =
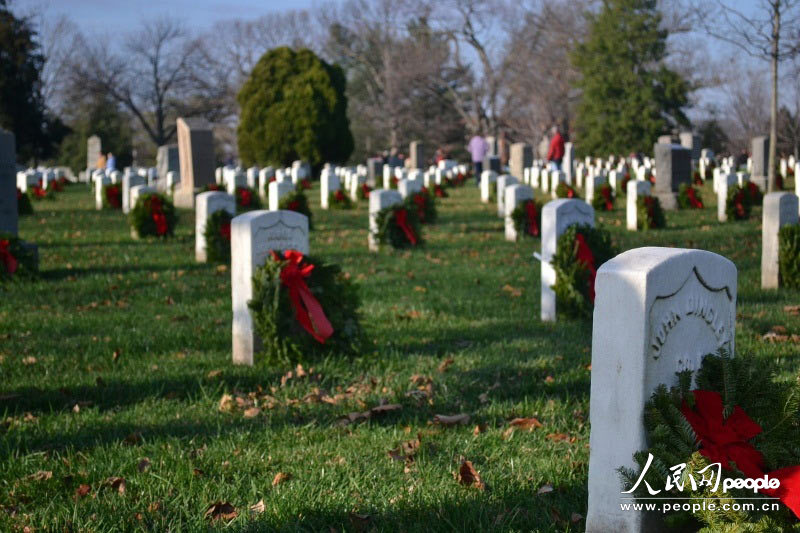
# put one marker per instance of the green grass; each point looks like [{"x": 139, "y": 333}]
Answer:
[{"x": 169, "y": 320}]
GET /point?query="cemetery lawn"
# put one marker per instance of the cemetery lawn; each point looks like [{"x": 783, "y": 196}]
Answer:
[{"x": 115, "y": 362}]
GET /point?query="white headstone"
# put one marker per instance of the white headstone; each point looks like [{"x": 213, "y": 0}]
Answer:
[
  {"x": 657, "y": 311},
  {"x": 635, "y": 190},
  {"x": 556, "y": 177},
  {"x": 780, "y": 209},
  {"x": 128, "y": 181},
  {"x": 252, "y": 177},
  {"x": 99, "y": 183},
  {"x": 264, "y": 175},
  {"x": 206, "y": 204},
  {"x": 277, "y": 190},
  {"x": 253, "y": 235},
  {"x": 379, "y": 199},
  {"x": 355, "y": 184},
  {"x": 488, "y": 179},
  {"x": 502, "y": 182},
  {"x": 724, "y": 183},
  {"x": 515, "y": 194},
  {"x": 139, "y": 190},
  {"x": 408, "y": 187},
  {"x": 327, "y": 185}
]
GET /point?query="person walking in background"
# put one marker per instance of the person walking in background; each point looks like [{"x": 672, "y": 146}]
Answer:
[
  {"x": 555, "y": 154},
  {"x": 101, "y": 161},
  {"x": 478, "y": 148},
  {"x": 111, "y": 162}
]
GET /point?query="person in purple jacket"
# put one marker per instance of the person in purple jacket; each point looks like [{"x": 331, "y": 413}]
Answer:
[{"x": 478, "y": 147}]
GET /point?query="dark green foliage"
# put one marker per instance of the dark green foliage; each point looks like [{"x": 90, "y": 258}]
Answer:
[
  {"x": 738, "y": 203},
  {"x": 684, "y": 201},
  {"x": 424, "y": 203},
  {"x": 247, "y": 199},
  {"x": 628, "y": 96},
  {"x": 649, "y": 214},
  {"x": 603, "y": 198},
  {"x": 572, "y": 285},
  {"x": 283, "y": 338},
  {"x": 218, "y": 237},
  {"x": 26, "y": 265},
  {"x": 143, "y": 220},
  {"x": 520, "y": 218},
  {"x": 339, "y": 200},
  {"x": 789, "y": 256},
  {"x": 755, "y": 194},
  {"x": 363, "y": 191},
  {"x": 296, "y": 201},
  {"x": 24, "y": 205},
  {"x": 565, "y": 191},
  {"x": 293, "y": 106},
  {"x": 390, "y": 233},
  {"x": 743, "y": 381}
]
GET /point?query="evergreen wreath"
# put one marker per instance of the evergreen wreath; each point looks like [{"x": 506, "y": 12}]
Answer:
[
  {"x": 424, "y": 204},
  {"x": 339, "y": 200},
  {"x": 392, "y": 231},
  {"x": 689, "y": 197},
  {"x": 112, "y": 196},
  {"x": 296, "y": 201},
  {"x": 362, "y": 191},
  {"x": 649, "y": 214},
  {"x": 754, "y": 192},
  {"x": 40, "y": 193},
  {"x": 153, "y": 215},
  {"x": 697, "y": 179},
  {"x": 622, "y": 188},
  {"x": 276, "y": 317},
  {"x": 738, "y": 415},
  {"x": 305, "y": 184},
  {"x": 247, "y": 199},
  {"x": 393, "y": 181},
  {"x": 439, "y": 191},
  {"x": 789, "y": 255},
  {"x": 527, "y": 218},
  {"x": 24, "y": 205},
  {"x": 603, "y": 198},
  {"x": 580, "y": 251},
  {"x": 565, "y": 191},
  {"x": 17, "y": 261},
  {"x": 218, "y": 237},
  {"x": 737, "y": 203}
]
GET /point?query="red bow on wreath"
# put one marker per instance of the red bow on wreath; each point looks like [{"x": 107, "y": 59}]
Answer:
[
  {"x": 584, "y": 256},
  {"x": 420, "y": 201},
  {"x": 606, "y": 192},
  {"x": 365, "y": 190},
  {"x": 158, "y": 215},
  {"x": 570, "y": 192},
  {"x": 693, "y": 200},
  {"x": 725, "y": 441},
  {"x": 245, "y": 197},
  {"x": 533, "y": 223},
  {"x": 294, "y": 205},
  {"x": 738, "y": 204},
  {"x": 401, "y": 219},
  {"x": 438, "y": 191},
  {"x": 7, "y": 258},
  {"x": 307, "y": 309},
  {"x": 225, "y": 231},
  {"x": 338, "y": 196}
]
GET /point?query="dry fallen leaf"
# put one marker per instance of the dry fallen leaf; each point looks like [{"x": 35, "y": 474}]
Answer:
[
  {"x": 30, "y": 360},
  {"x": 385, "y": 408},
  {"x": 226, "y": 403},
  {"x": 198, "y": 473},
  {"x": 406, "y": 451},
  {"x": 259, "y": 507},
  {"x": 451, "y": 420},
  {"x": 41, "y": 475},
  {"x": 214, "y": 374},
  {"x": 133, "y": 439},
  {"x": 561, "y": 437},
  {"x": 513, "y": 291},
  {"x": 445, "y": 364},
  {"x": 779, "y": 329},
  {"x": 117, "y": 484},
  {"x": 792, "y": 309},
  {"x": 575, "y": 518},
  {"x": 480, "y": 428},
  {"x": 143, "y": 465},
  {"x": 525, "y": 423},
  {"x": 115, "y": 356},
  {"x": 469, "y": 477},
  {"x": 251, "y": 412},
  {"x": 221, "y": 511},
  {"x": 280, "y": 477},
  {"x": 545, "y": 489},
  {"x": 549, "y": 379},
  {"x": 82, "y": 491}
]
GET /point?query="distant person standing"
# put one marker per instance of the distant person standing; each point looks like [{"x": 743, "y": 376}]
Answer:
[
  {"x": 555, "y": 154},
  {"x": 101, "y": 161},
  {"x": 478, "y": 148},
  {"x": 111, "y": 162}
]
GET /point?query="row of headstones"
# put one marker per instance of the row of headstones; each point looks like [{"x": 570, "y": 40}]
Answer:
[
  {"x": 133, "y": 183},
  {"x": 256, "y": 178},
  {"x": 31, "y": 177}
]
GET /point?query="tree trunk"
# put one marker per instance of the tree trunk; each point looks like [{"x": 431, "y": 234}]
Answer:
[{"x": 773, "y": 115}]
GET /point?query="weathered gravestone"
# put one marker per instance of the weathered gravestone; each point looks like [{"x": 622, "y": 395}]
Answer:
[
  {"x": 408, "y": 187},
  {"x": 416, "y": 154},
  {"x": 673, "y": 167},
  {"x": 100, "y": 181},
  {"x": 665, "y": 139},
  {"x": 657, "y": 311},
  {"x": 167, "y": 160},
  {"x": 635, "y": 190},
  {"x": 9, "y": 216},
  {"x": 379, "y": 199},
  {"x": 128, "y": 181},
  {"x": 691, "y": 142},
  {"x": 515, "y": 194},
  {"x": 374, "y": 169},
  {"x": 557, "y": 216},
  {"x": 488, "y": 179},
  {"x": 253, "y": 236},
  {"x": 502, "y": 182},
  {"x": 206, "y": 204},
  {"x": 236, "y": 178},
  {"x": 196, "y": 155},
  {"x": 93, "y": 149},
  {"x": 780, "y": 209},
  {"x": 725, "y": 182},
  {"x": 492, "y": 162},
  {"x": 521, "y": 157},
  {"x": 277, "y": 190},
  {"x": 760, "y": 161},
  {"x": 328, "y": 184}
]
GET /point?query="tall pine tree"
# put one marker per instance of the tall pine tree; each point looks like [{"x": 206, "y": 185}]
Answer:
[{"x": 629, "y": 97}]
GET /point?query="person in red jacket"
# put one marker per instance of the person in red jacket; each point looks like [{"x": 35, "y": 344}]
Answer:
[{"x": 556, "y": 152}]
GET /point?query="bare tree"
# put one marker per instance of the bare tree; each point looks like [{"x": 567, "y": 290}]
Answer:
[
  {"x": 58, "y": 37},
  {"x": 770, "y": 33}
]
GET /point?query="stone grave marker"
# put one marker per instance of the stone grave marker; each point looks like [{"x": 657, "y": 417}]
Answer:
[
  {"x": 780, "y": 209},
  {"x": 328, "y": 183},
  {"x": 635, "y": 190},
  {"x": 277, "y": 190},
  {"x": 521, "y": 157},
  {"x": 515, "y": 194},
  {"x": 196, "y": 156},
  {"x": 673, "y": 167},
  {"x": 416, "y": 154},
  {"x": 264, "y": 175},
  {"x": 725, "y": 182},
  {"x": 488, "y": 179},
  {"x": 356, "y": 184},
  {"x": 128, "y": 181},
  {"x": 379, "y": 199},
  {"x": 502, "y": 182},
  {"x": 556, "y": 177},
  {"x": 100, "y": 181},
  {"x": 167, "y": 160},
  {"x": 492, "y": 162},
  {"x": 760, "y": 161},
  {"x": 408, "y": 187},
  {"x": 93, "y": 149},
  {"x": 9, "y": 216},
  {"x": 206, "y": 204}
]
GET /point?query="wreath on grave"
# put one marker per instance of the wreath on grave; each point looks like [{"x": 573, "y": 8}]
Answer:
[
  {"x": 305, "y": 184},
  {"x": 296, "y": 201},
  {"x": 339, "y": 200},
  {"x": 303, "y": 307},
  {"x": 527, "y": 218},
  {"x": 580, "y": 251},
  {"x": 393, "y": 181},
  {"x": 424, "y": 204},
  {"x": 24, "y": 205},
  {"x": 40, "y": 193},
  {"x": 112, "y": 196},
  {"x": 689, "y": 197},
  {"x": 622, "y": 188},
  {"x": 247, "y": 200},
  {"x": 697, "y": 179},
  {"x": 710, "y": 171},
  {"x": 789, "y": 255},
  {"x": 218, "y": 237},
  {"x": 153, "y": 215},
  {"x": 778, "y": 181},
  {"x": 56, "y": 185},
  {"x": 398, "y": 226},
  {"x": 16, "y": 260},
  {"x": 603, "y": 198},
  {"x": 565, "y": 191},
  {"x": 439, "y": 192},
  {"x": 649, "y": 214},
  {"x": 754, "y": 192},
  {"x": 737, "y": 204},
  {"x": 362, "y": 192},
  {"x": 739, "y": 422}
]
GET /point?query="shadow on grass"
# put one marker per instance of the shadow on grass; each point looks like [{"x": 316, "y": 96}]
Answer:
[{"x": 59, "y": 274}]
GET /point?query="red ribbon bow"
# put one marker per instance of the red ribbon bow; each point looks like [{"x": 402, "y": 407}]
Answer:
[
  {"x": 225, "y": 231},
  {"x": 570, "y": 192},
  {"x": 7, "y": 258},
  {"x": 401, "y": 219},
  {"x": 584, "y": 256},
  {"x": 294, "y": 205},
  {"x": 693, "y": 200},
  {"x": 158, "y": 215},
  {"x": 338, "y": 196},
  {"x": 365, "y": 190},
  {"x": 738, "y": 204},
  {"x": 533, "y": 223},
  {"x": 606, "y": 193},
  {"x": 307, "y": 309},
  {"x": 420, "y": 200},
  {"x": 245, "y": 197}
]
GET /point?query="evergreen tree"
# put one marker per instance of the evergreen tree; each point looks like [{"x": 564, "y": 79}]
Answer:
[{"x": 629, "y": 97}]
